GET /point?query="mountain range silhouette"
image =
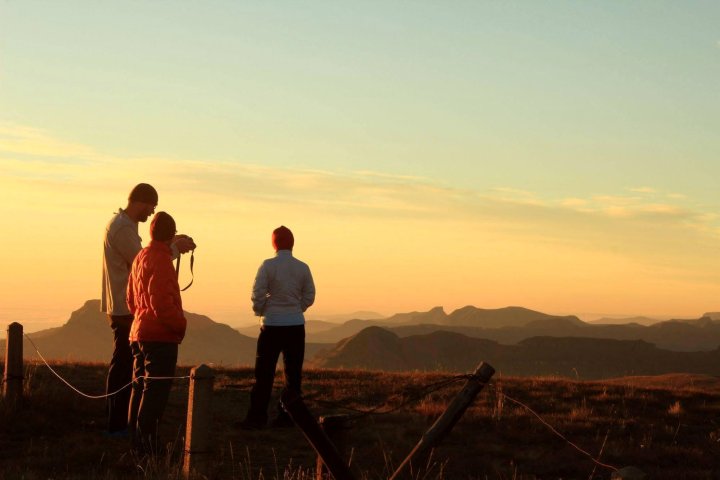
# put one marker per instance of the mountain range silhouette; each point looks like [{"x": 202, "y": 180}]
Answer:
[{"x": 516, "y": 340}]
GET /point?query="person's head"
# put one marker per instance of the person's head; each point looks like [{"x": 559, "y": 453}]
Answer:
[
  {"x": 162, "y": 227},
  {"x": 282, "y": 238},
  {"x": 142, "y": 202}
]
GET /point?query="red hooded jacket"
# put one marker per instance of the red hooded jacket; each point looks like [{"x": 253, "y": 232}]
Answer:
[{"x": 153, "y": 296}]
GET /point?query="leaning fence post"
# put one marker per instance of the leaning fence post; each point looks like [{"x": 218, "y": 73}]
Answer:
[
  {"x": 293, "y": 403},
  {"x": 335, "y": 427},
  {"x": 13, "y": 378},
  {"x": 199, "y": 422},
  {"x": 448, "y": 419}
]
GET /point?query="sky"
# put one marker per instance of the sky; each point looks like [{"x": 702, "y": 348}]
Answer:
[{"x": 557, "y": 155}]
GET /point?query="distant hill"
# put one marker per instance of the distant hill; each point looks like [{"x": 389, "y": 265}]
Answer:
[
  {"x": 316, "y": 326},
  {"x": 476, "y": 317},
  {"x": 511, "y": 325},
  {"x": 585, "y": 358},
  {"x": 436, "y": 317},
  {"x": 646, "y": 321},
  {"x": 683, "y": 336},
  {"x": 87, "y": 337},
  {"x": 344, "y": 317},
  {"x": 311, "y": 328},
  {"x": 505, "y": 317}
]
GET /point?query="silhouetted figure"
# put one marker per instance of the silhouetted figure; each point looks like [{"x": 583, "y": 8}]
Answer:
[
  {"x": 282, "y": 291},
  {"x": 153, "y": 296},
  {"x": 122, "y": 243}
]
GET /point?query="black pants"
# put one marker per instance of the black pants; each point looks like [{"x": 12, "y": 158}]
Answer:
[
  {"x": 119, "y": 373},
  {"x": 149, "y": 396},
  {"x": 271, "y": 342}
]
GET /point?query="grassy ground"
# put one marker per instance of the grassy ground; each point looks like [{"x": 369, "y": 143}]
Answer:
[{"x": 669, "y": 427}]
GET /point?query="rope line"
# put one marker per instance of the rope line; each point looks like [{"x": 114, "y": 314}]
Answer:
[
  {"x": 96, "y": 397},
  {"x": 554, "y": 430}
]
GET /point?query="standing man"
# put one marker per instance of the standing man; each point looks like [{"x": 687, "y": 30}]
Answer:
[
  {"x": 282, "y": 291},
  {"x": 122, "y": 243},
  {"x": 153, "y": 296}
]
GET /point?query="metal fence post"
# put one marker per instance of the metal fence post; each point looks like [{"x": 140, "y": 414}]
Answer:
[{"x": 199, "y": 422}]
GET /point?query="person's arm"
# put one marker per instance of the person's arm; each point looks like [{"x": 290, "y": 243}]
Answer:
[
  {"x": 181, "y": 244},
  {"x": 308, "y": 291},
  {"x": 130, "y": 296},
  {"x": 126, "y": 242},
  {"x": 164, "y": 293},
  {"x": 260, "y": 291}
]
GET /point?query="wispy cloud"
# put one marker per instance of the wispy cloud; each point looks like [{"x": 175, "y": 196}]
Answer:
[
  {"x": 642, "y": 189},
  {"x": 641, "y": 222},
  {"x": 19, "y": 139},
  {"x": 573, "y": 202}
]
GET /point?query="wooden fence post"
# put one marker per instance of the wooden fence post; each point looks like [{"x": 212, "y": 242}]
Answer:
[
  {"x": 13, "y": 378},
  {"x": 447, "y": 420},
  {"x": 335, "y": 427},
  {"x": 293, "y": 403},
  {"x": 199, "y": 422}
]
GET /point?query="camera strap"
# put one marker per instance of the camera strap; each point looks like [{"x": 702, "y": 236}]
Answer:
[{"x": 192, "y": 263}]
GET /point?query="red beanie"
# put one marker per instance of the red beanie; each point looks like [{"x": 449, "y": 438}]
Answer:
[
  {"x": 282, "y": 238},
  {"x": 162, "y": 227}
]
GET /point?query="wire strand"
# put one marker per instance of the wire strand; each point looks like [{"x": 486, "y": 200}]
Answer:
[
  {"x": 422, "y": 393},
  {"x": 554, "y": 430},
  {"x": 95, "y": 397}
]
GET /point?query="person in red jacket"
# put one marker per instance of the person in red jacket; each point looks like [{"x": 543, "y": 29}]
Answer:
[{"x": 153, "y": 297}]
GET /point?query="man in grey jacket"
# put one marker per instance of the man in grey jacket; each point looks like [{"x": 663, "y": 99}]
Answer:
[
  {"x": 282, "y": 291},
  {"x": 122, "y": 243}
]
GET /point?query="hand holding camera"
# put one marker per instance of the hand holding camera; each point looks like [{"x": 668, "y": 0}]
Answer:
[{"x": 184, "y": 243}]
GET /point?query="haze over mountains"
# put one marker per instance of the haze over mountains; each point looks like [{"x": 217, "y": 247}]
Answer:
[
  {"x": 511, "y": 325},
  {"x": 516, "y": 340},
  {"x": 87, "y": 337},
  {"x": 375, "y": 348},
  {"x": 625, "y": 321}
]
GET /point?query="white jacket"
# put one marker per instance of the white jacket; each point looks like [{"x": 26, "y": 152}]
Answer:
[{"x": 283, "y": 290}]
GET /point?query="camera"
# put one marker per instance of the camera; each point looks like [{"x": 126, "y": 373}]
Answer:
[{"x": 184, "y": 243}]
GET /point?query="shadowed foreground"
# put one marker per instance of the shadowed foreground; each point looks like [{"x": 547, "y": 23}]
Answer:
[{"x": 667, "y": 426}]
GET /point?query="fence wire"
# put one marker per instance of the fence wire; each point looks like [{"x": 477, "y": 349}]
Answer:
[
  {"x": 416, "y": 396},
  {"x": 552, "y": 429},
  {"x": 96, "y": 397}
]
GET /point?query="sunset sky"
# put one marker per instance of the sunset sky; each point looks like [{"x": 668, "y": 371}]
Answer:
[{"x": 561, "y": 156}]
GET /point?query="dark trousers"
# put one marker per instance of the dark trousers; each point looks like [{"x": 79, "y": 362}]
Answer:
[
  {"x": 271, "y": 342},
  {"x": 150, "y": 396},
  {"x": 119, "y": 373}
]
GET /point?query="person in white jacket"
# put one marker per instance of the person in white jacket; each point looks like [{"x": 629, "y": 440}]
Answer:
[{"x": 282, "y": 291}]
